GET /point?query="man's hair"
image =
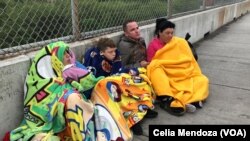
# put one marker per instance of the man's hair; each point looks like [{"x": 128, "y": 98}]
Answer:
[
  {"x": 104, "y": 43},
  {"x": 124, "y": 25}
]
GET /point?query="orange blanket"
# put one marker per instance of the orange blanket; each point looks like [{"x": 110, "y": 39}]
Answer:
[
  {"x": 174, "y": 71},
  {"x": 124, "y": 100}
]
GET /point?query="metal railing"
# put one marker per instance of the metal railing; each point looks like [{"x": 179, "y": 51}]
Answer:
[{"x": 27, "y": 25}]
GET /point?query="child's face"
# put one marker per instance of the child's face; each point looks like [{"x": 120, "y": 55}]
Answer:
[
  {"x": 66, "y": 58},
  {"x": 109, "y": 53}
]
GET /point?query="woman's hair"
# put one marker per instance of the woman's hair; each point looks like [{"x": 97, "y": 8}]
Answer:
[
  {"x": 162, "y": 24},
  {"x": 104, "y": 43}
]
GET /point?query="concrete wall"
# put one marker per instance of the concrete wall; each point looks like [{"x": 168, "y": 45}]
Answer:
[{"x": 14, "y": 70}]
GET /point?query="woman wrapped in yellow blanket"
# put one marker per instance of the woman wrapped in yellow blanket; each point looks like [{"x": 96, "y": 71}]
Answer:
[{"x": 174, "y": 73}]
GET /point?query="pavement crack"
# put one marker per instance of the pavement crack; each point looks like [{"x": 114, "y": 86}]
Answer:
[{"x": 246, "y": 89}]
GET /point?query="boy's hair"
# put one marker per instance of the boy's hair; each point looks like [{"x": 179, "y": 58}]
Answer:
[
  {"x": 104, "y": 43},
  {"x": 124, "y": 25}
]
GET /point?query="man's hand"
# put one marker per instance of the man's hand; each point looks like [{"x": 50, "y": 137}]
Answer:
[{"x": 144, "y": 63}]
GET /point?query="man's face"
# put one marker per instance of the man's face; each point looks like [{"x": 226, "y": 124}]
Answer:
[
  {"x": 132, "y": 31},
  {"x": 109, "y": 53}
]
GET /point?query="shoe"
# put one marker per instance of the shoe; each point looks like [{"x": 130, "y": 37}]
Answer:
[
  {"x": 137, "y": 129},
  {"x": 190, "y": 108},
  {"x": 151, "y": 114},
  {"x": 177, "y": 111},
  {"x": 198, "y": 104},
  {"x": 165, "y": 98}
]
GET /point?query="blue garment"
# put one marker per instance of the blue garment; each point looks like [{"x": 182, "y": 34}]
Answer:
[
  {"x": 102, "y": 66},
  {"x": 79, "y": 65}
]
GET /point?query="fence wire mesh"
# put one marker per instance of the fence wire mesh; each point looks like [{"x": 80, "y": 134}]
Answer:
[{"x": 29, "y": 24}]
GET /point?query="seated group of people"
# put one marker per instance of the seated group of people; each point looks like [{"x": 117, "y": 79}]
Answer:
[{"x": 114, "y": 88}]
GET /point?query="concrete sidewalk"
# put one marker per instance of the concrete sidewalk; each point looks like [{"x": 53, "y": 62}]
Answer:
[{"x": 224, "y": 58}]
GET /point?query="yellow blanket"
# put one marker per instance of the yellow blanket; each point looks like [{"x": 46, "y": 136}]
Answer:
[{"x": 174, "y": 72}]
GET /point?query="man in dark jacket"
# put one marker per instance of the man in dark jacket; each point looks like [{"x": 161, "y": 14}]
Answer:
[
  {"x": 132, "y": 49},
  {"x": 132, "y": 46}
]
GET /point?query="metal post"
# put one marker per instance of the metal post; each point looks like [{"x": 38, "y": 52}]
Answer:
[
  {"x": 169, "y": 9},
  {"x": 204, "y": 5},
  {"x": 75, "y": 19}
]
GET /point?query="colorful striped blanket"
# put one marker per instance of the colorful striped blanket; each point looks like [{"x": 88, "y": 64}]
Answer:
[{"x": 52, "y": 107}]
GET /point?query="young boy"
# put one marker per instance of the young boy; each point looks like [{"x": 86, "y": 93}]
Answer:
[{"x": 104, "y": 58}]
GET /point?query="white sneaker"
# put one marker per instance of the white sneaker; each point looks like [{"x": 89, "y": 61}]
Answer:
[{"x": 190, "y": 108}]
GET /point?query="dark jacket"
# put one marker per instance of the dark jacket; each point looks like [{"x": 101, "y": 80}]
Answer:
[{"x": 132, "y": 52}]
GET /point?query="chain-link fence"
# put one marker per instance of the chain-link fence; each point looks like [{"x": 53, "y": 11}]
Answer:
[{"x": 29, "y": 24}]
